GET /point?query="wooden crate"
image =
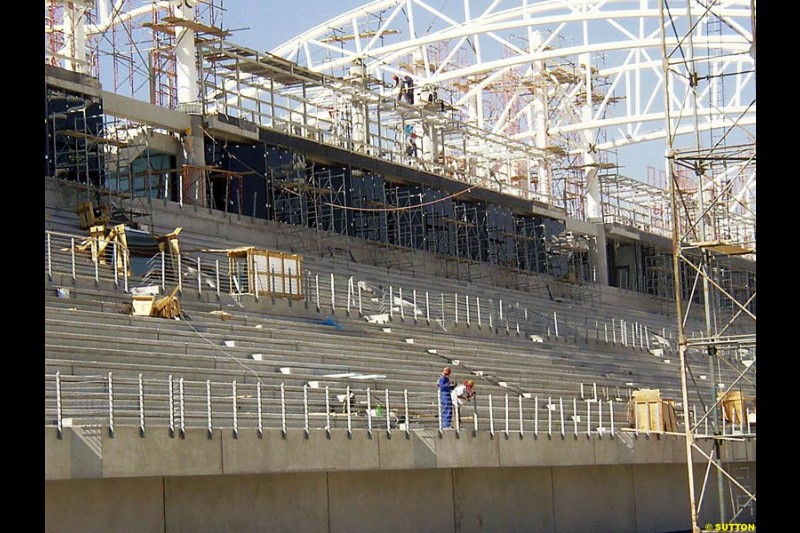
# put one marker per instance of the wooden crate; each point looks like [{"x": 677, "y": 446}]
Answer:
[
  {"x": 650, "y": 413},
  {"x": 733, "y": 407}
]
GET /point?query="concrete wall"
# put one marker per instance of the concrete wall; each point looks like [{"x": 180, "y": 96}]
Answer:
[
  {"x": 564, "y": 499},
  {"x": 341, "y": 483}
]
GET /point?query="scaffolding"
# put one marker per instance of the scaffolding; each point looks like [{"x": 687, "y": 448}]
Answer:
[{"x": 708, "y": 231}]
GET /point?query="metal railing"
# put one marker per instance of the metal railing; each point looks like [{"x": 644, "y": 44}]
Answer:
[
  {"x": 73, "y": 255},
  {"x": 179, "y": 405}
]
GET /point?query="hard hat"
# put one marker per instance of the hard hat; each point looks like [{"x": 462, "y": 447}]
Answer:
[
  {"x": 446, "y": 371},
  {"x": 469, "y": 383}
]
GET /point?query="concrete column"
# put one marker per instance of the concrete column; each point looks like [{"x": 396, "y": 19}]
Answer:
[
  {"x": 598, "y": 257},
  {"x": 192, "y": 160},
  {"x": 75, "y": 37},
  {"x": 593, "y": 207},
  {"x": 186, "y": 55},
  {"x": 359, "y": 107},
  {"x": 542, "y": 166}
]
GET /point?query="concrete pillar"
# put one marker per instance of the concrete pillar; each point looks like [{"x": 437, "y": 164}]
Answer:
[
  {"x": 542, "y": 166},
  {"x": 75, "y": 37},
  {"x": 593, "y": 206},
  {"x": 598, "y": 257},
  {"x": 358, "y": 107},
  {"x": 186, "y": 55},
  {"x": 192, "y": 160}
]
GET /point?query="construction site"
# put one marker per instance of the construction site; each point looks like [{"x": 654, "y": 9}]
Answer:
[{"x": 257, "y": 264}]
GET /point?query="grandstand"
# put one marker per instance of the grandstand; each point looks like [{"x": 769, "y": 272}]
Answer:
[{"x": 247, "y": 307}]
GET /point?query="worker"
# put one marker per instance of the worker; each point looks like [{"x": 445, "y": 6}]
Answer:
[
  {"x": 397, "y": 86},
  {"x": 408, "y": 89},
  {"x": 411, "y": 146},
  {"x": 445, "y": 399},
  {"x": 461, "y": 394}
]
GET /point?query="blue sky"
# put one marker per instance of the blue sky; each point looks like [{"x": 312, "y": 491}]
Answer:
[{"x": 264, "y": 24}]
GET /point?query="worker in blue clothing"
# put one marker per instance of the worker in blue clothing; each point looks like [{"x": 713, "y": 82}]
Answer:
[{"x": 445, "y": 388}]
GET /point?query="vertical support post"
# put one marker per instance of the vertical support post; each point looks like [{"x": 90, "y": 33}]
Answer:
[
  {"x": 455, "y": 303},
  {"x": 605, "y": 331},
  {"x": 141, "y": 407},
  {"x": 283, "y": 409},
  {"x": 360, "y": 310},
  {"x": 521, "y": 431},
  {"x": 439, "y": 409},
  {"x": 478, "y": 305},
  {"x": 180, "y": 274},
  {"x": 506, "y": 432},
  {"x": 405, "y": 411},
  {"x": 171, "y": 409},
  {"x": 305, "y": 408},
  {"x": 561, "y": 414},
  {"x": 333, "y": 293},
  {"x": 549, "y": 416},
  {"x": 501, "y": 311},
  {"x": 235, "y": 405},
  {"x": 114, "y": 263},
  {"x": 555, "y": 323},
  {"x": 163, "y": 271},
  {"x": 347, "y": 407},
  {"x": 316, "y": 286},
  {"x": 600, "y": 415},
  {"x": 110, "y": 406},
  {"x": 199, "y": 281},
  {"x": 388, "y": 420},
  {"x": 575, "y": 416},
  {"x": 327, "y": 411},
  {"x": 491, "y": 417},
  {"x": 50, "y": 257},
  {"x": 216, "y": 273},
  {"x": 427, "y": 308},
  {"x": 258, "y": 407},
  {"x": 400, "y": 296},
  {"x": 59, "y": 412},
  {"x": 611, "y": 415},
  {"x": 414, "y": 295},
  {"x": 369, "y": 413},
  {"x": 181, "y": 406},
  {"x": 96, "y": 264},
  {"x": 588, "y": 418},
  {"x": 442, "y": 296},
  {"x": 391, "y": 302},
  {"x": 466, "y": 301},
  {"x": 256, "y": 283},
  {"x": 536, "y": 416},
  {"x": 647, "y": 337},
  {"x": 613, "y": 331},
  {"x": 72, "y": 255},
  {"x": 210, "y": 427},
  {"x": 125, "y": 270}
]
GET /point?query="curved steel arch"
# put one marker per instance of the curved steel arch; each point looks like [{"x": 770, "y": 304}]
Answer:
[{"x": 518, "y": 67}]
